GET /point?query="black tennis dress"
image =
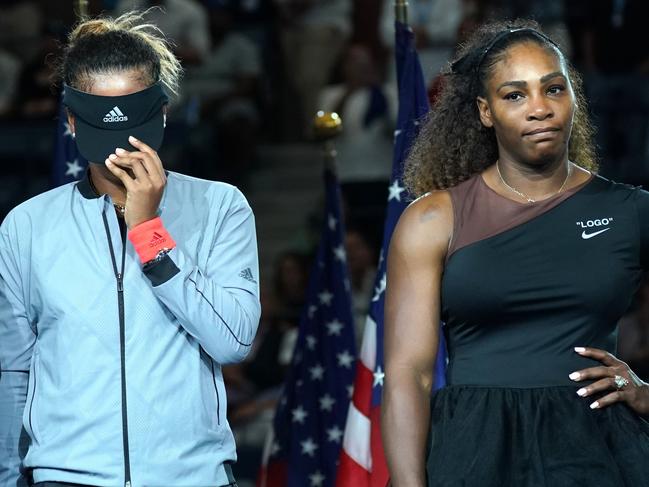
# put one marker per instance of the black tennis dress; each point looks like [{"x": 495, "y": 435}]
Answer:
[{"x": 525, "y": 283}]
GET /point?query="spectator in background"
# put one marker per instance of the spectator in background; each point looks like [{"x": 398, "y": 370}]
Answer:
[
  {"x": 313, "y": 34},
  {"x": 21, "y": 24},
  {"x": 361, "y": 262},
  {"x": 633, "y": 338},
  {"x": 224, "y": 89},
  {"x": 364, "y": 149},
  {"x": 291, "y": 280},
  {"x": 548, "y": 13},
  {"x": 36, "y": 99},
  {"x": 9, "y": 74},
  {"x": 368, "y": 110},
  {"x": 435, "y": 24},
  {"x": 612, "y": 50},
  {"x": 184, "y": 23}
]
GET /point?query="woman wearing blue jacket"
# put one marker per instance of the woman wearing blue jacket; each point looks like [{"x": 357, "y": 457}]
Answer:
[{"x": 123, "y": 294}]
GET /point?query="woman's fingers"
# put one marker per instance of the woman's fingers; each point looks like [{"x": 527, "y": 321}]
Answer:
[
  {"x": 153, "y": 163},
  {"x": 134, "y": 164},
  {"x": 145, "y": 160},
  {"x": 121, "y": 174},
  {"x": 613, "y": 397},
  {"x": 591, "y": 373},
  {"x": 605, "y": 384},
  {"x": 602, "y": 355}
]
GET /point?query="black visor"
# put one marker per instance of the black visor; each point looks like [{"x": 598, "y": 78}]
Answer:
[{"x": 103, "y": 123}]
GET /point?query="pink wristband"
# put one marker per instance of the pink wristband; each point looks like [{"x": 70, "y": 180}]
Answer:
[{"x": 149, "y": 238}]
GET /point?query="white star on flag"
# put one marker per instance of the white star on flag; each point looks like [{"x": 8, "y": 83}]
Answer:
[
  {"x": 379, "y": 375},
  {"x": 340, "y": 253},
  {"x": 312, "y": 310},
  {"x": 325, "y": 297},
  {"x": 299, "y": 415},
  {"x": 380, "y": 288},
  {"x": 311, "y": 342},
  {"x": 309, "y": 447},
  {"x": 395, "y": 191},
  {"x": 73, "y": 169},
  {"x": 67, "y": 130},
  {"x": 331, "y": 222},
  {"x": 327, "y": 402},
  {"x": 317, "y": 372},
  {"x": 350, "y": 390},
  {"x": 316, "y": 479},
  {"x": 345, "y": 359},
  {"x": 334, "y": 434},
  {"x": 334, "y": 327}
]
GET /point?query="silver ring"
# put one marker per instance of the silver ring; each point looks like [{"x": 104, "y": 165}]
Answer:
[{"x": 620, "y": 382}]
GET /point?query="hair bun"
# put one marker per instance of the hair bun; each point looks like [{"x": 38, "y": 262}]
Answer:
[{"x": 91, "y": 28}]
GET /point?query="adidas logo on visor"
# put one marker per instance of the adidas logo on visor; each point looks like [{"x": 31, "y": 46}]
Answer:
[{"x": 115, "y": 115}]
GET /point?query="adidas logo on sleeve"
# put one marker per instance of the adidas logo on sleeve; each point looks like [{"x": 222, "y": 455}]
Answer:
[
  {"x": 115, "y": 115},
  {"x": 247, "y": 275}
]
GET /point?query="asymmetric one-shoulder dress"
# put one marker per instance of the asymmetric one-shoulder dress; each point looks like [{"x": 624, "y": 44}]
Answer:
[{"x": 522, "y": 286}]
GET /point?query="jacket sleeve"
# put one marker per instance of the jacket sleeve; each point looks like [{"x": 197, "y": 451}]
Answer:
[
  {"x": 218, "y": 304},
  {"x": 16, "y": 343}
]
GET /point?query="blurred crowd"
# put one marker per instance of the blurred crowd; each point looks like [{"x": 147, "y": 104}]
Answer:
[{"x": 255, "y": 73}]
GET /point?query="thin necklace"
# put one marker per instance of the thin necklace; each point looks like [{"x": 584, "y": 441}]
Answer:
[
  {"x": 523, "y": 195},
  {"x": 120, "y": 209}
]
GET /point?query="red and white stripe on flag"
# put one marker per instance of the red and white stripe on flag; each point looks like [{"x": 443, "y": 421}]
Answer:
[{"x": 362, "y": 461}]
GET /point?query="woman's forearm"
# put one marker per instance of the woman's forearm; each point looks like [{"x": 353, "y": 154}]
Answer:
[{"x": 405, "y": 422}]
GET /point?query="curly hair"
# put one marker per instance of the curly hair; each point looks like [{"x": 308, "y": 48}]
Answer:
[
  {"x": 452, "y": 144},
  {"x": 106, "y": 46}
]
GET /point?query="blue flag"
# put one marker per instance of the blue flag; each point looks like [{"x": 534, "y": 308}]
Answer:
[
  {"x": 362, "y": 461},
  {"x": 310, "y": 419},
  {"x": 68, "y": 165}
]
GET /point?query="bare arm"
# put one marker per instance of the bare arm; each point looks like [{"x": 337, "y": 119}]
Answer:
[{"x": 415, "y": 265}]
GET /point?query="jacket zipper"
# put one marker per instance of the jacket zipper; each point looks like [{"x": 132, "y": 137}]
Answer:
[
  {"x": 119, "y": 276},
  {"x": 31, "y": 404},
  {"x": 218, "y": 399}
]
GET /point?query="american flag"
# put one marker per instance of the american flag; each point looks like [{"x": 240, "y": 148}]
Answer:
[
  {"x": 68, "y": 165},
  {"x": 308, "y": 427},
  {"x": 362, "y": 461}
]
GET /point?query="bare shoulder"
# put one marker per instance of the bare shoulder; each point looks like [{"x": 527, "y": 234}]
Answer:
[{"x": 426, "y": 225}]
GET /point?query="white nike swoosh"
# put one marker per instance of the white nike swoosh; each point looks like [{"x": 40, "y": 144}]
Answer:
[{"x": 586, "y": 236}]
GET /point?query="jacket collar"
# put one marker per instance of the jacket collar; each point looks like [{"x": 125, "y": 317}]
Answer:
[{"x": 85, "y": 188}]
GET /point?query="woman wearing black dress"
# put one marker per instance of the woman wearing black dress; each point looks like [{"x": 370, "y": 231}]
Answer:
[{"x": 530, "y": 259}]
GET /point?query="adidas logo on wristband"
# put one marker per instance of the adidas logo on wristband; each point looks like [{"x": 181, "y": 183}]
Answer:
[{"x": 156, "y": 240}]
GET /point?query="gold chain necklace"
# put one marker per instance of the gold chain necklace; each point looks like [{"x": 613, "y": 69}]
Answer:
[
  {"x": 121, "y": 209},
  {"x": 523, "y": 195}
]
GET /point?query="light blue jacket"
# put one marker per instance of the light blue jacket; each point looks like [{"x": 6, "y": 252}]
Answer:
[{"x": 87, "y": 397}]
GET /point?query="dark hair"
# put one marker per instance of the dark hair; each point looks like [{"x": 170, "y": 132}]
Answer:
[
  {"x": 105, "y": 46},
  {"x": 452, "y": 144}
]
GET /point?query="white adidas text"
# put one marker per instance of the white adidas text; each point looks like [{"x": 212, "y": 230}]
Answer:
[{"x": 115, "y": 115}]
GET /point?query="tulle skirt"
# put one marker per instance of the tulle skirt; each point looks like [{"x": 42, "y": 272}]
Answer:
[{"x": 536, "y": 437}]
